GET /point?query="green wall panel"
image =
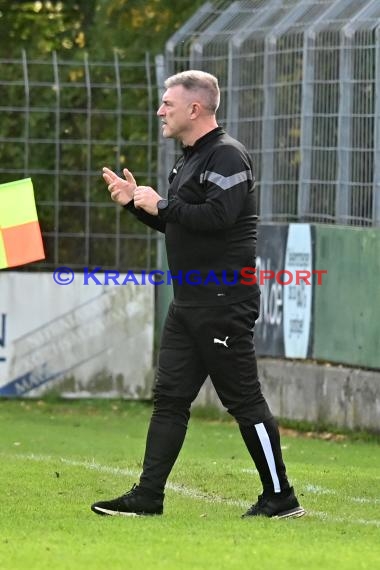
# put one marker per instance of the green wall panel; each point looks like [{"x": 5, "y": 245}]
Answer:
[{"x": 347, "y": 304}]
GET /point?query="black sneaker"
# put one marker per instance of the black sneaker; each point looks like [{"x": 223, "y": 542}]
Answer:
[
  {"x": 132, "y": 504},
  {"x": 282, "y": 505}
]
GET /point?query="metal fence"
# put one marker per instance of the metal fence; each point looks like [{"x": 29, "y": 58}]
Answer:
[
  {"x": 61, "y": 122},
  {"x": 300, "y": 85}
]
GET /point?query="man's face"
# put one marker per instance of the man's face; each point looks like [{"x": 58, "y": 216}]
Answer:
[{"x": 175, "y": 112}]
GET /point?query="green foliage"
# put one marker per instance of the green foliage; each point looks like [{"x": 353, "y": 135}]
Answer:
[
  {"x": 131, "y": 26},
  {"x": 136, "y": 26},
  {"x": 43, "y": 26}
]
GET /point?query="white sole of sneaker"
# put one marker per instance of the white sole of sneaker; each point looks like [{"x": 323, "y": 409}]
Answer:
[
  {"x": 116, "y": 513},
  {"x": 293, "y": 513},
  {"x": 122, "y": 514}
]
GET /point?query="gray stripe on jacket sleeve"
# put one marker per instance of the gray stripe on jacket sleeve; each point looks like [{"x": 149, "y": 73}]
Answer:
[{"x": 226, "y": 182}]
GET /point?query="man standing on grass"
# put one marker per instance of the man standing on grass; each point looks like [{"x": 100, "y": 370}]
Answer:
[{"x": 209, "y": 220}]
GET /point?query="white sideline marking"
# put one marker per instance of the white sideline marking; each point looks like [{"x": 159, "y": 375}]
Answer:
[
  {"x": 195, "y": 493},
  {"x": 317, "y": 490},
  {"x": 322, "y": 491}
]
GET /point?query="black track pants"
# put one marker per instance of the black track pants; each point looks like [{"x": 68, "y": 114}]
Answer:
[{"x": 214, "y": 341}]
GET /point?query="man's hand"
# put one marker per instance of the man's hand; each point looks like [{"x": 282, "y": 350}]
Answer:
[
  {"x": 121, "y": 190},
  {"x": 146, "y": 198}
]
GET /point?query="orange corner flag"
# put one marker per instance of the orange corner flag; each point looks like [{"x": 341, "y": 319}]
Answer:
[{"x": 20, "y": 234}]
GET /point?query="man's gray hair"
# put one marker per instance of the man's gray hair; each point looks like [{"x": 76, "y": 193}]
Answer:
[{"x": 198, "y": 81}]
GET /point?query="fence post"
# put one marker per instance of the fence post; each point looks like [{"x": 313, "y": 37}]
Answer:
[
  {"x": 376, "y": 173},
  {"x": 266, "y": 194},
  {"x": 27, "y": 112},
  {"x": 306, "y": 138},
  {"x": 57, "y": 158},
  {"x": 149, "y": 151},
  {"x": 88, "y": 159},
  {"x": 164, "y": 292},
  {"x": 119, "y": 135},
  {"x": 343, "y": 189}
]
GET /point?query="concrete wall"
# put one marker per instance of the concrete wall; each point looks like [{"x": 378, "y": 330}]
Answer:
[
  {"x": 79, "y": 340},
  {"x": 328, "y": 395}
]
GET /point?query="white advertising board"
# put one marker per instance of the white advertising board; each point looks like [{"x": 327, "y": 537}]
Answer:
[{"x": 298, "y": 295}]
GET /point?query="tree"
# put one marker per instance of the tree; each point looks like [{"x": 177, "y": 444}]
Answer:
[
  {"x": 136, "y": 26},
  {"x": 44, "y": 26},
  {"x": 97, "y": 26}
]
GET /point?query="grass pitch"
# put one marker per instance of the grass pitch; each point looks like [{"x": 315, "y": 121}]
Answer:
[{"x": 58, "y": 458}]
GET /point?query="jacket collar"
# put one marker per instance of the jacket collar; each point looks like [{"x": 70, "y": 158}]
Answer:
[{"x": 187, "y": 150}]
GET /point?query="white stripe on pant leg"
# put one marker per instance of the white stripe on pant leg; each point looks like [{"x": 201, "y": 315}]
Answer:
[{"x": 268, "y": 452}]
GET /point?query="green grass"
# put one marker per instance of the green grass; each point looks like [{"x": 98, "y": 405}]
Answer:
[{"x": 59, "y": 457}]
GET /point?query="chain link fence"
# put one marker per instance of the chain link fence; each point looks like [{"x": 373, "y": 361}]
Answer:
[
  {"x": 300, "y": 84},
  {"x": 62, "y": 121}
]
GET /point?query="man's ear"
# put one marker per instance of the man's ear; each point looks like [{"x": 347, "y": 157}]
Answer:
[{"x": 195, "y": 110}]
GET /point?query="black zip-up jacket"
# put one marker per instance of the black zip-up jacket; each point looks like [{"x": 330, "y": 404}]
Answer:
[{"x": 210, "y": 222}]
